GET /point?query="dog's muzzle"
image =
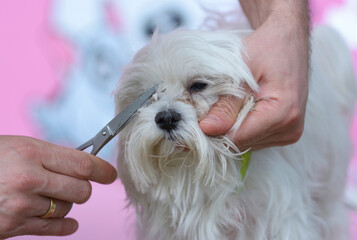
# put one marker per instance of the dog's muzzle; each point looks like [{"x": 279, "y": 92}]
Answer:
[{"x": 168, "y": 120}]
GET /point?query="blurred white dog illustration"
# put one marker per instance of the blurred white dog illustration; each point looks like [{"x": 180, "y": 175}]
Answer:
[{"x": 186, "y": 185}]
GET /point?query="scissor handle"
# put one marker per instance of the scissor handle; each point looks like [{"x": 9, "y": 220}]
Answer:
[
  {"x": 98, "y": 141},
  {"x": 86, "y": 145}
]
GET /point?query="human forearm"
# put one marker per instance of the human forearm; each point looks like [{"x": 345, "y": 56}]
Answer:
[
  {"x": 288, "y": 20},
  {"x": 259, "y": 11}
]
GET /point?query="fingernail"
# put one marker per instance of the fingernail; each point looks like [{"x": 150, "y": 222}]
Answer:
[
  {"x": 214, "y": 123},
  {"x": 75, "y": 226},
  {"x": 211, "y": 119}
]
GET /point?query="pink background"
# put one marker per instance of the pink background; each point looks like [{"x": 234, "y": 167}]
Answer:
[{"x": 27, "y": 47}]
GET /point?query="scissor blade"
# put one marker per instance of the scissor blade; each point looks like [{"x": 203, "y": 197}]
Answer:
[
  {"x": 109, "y": 131},
  {"x": 122, "y": 119}
]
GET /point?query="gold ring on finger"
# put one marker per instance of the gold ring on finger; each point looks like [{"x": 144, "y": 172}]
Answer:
[{"x": 51, "y": 210}]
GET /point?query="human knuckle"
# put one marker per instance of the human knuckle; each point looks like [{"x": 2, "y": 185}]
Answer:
[
  {"x": 46, "y": 227},
  {"x": 239, "y": 142},
  {"x": 297, "y": 133},
  {"x": 85, "y": 168},
  {"x": 228, "y": 106},
  {"x": 49, "y": 227},
  {"x": 84, "y": 192},
  {"x": 295, "y": 116},
  {"x": 294, "y": 134},
  {"x": 9, "y": 225},
  {"x": 27, "y": 148},
  {"x": 18, "y": 205},
  {"x": 26, "y": 180}
]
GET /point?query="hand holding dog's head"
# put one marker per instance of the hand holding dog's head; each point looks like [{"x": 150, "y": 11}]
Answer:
[{"x": 193, "y": 69}]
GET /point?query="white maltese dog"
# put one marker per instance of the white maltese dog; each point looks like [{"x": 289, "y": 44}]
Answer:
[{"x": 186, "y": 185}]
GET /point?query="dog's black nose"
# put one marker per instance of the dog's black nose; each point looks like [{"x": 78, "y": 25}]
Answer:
[{"x": 167, "y": 120}]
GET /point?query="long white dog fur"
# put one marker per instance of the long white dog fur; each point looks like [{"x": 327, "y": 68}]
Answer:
[{"x": 186, "y": 185}]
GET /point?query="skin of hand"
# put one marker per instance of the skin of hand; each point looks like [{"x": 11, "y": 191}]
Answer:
[
  {"x": 278, "y": 56},
  {"x": 33, "y": 171}
]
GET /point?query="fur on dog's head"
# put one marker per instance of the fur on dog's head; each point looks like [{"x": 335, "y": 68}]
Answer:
[{"x": 193, "y": 69}]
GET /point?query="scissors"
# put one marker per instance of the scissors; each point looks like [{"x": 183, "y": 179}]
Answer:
[{"x": 109, "y": 131}]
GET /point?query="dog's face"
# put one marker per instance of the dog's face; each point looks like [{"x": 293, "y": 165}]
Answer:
[{"x": 193, "y": 69}]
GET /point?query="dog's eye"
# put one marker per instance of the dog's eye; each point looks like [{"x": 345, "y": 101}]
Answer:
[{"x": 197, "y": 86}]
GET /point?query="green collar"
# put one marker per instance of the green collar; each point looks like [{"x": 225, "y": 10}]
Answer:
[
  {"x": 243, "y": 169},
  {"x": 244, "y": 165}
]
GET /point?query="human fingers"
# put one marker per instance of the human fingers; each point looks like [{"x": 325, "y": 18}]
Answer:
[
  {"x": 275, "y": 121},
  {"x": 284, "y": 135},
  {"x": 35, "y": 205},
  {"x": 273, "y": 140},
  {"x": 39, "y": 181},
  {"x": 77, "y": 164},
  {"x": 62, "y": 208},
  {"x": 50, "y": 226},
  {"x": 65, "y": 188},
  {"x": 270, "y": 124},
  {"x": 222, "y": 116},
  {"x": 61, "y": 160},
  {"x": 13, "y": 226}
]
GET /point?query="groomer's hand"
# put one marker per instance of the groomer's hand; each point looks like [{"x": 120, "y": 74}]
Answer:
[
  {"x": 278, "y": 52},
  {"x": 31, "y": 173}
]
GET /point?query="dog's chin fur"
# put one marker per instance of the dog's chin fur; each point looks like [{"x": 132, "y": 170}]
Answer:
[{"x": 186, "y": 185}]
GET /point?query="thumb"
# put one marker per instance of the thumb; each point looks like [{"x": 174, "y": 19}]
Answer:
[{"x": 221, "y": 118}]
